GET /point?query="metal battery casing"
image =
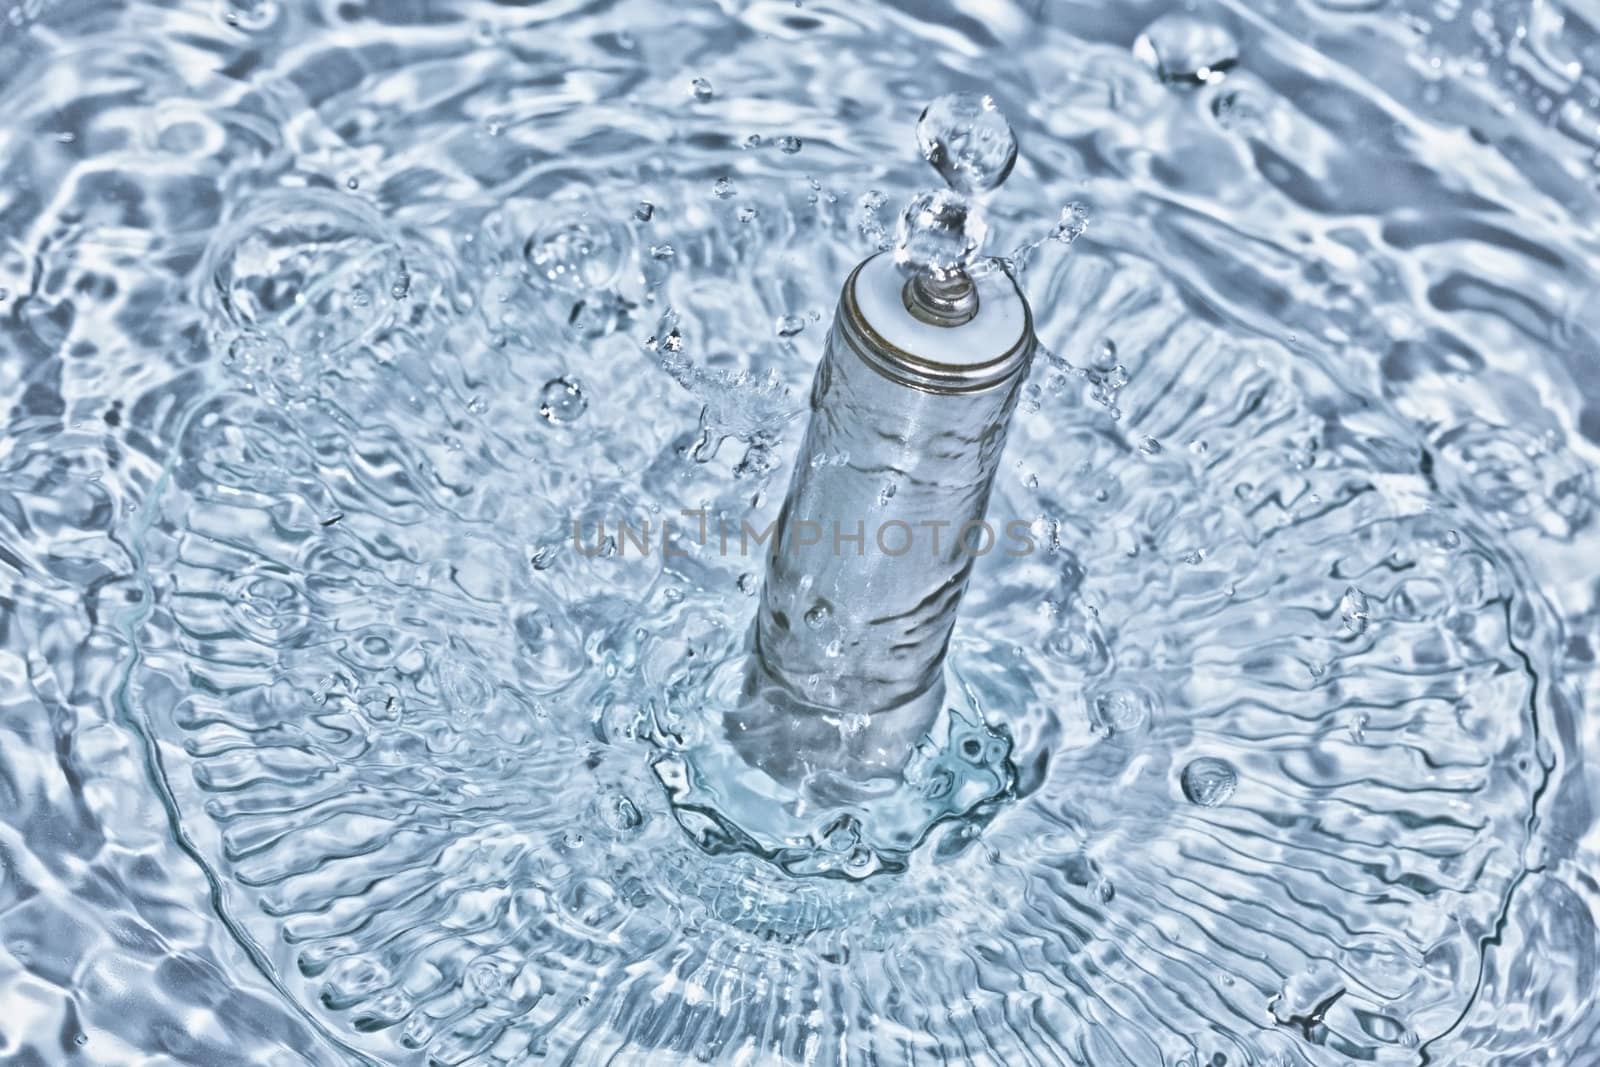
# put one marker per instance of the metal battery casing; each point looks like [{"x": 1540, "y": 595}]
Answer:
[{"x": 877, "y": 538}]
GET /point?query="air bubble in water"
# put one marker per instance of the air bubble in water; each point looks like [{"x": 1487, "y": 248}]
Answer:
[
  {"x": 788, "y": 144},
  {"x": 939, "y": 233},
  {"x": 1209, "y": 781},
  {"x": 968, "y": 141},
  {"x": 723, "y": 188},
  {"x": 574, "y": 255},
  {"x": 645, "y": 211},
  {"x": 701, "y": 89},
  {"x": 562, "y": 401},
  {"x": 302, "y": 266},
  {"x": 1119, "y": 710},
  {"x": 790, "y": 325},
  {"x": 1186, "y": 50}
]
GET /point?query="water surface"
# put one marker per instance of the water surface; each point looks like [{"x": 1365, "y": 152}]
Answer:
[{"x": 322, "y": 323}]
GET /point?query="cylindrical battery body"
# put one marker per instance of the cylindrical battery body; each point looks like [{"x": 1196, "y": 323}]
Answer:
[{"x": 886, "y": 509}]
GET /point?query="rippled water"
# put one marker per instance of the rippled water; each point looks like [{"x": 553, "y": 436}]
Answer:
[{"x": 323, "y": 322}]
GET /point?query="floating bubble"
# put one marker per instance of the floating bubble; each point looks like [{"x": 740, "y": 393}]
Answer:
[
  {"x": 788, "y": 144},
  {"x": 575, "y": 254},
  {"x": 1186, "y": 50},
  {"x": 561, "y": 401},
  {"x": 1209, "y": 781},
  {"x": 307, "y": 267},
  {"x": 700, "y": 89},
  {"x": 968, "y": 141},
  {"x": 939, "y": 234},
  {"x": 723, "y": 188}
]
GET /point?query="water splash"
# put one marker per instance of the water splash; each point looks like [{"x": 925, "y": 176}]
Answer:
[
  {"x": 939, "y": 233},
  {"x": 329, "y": 733}
]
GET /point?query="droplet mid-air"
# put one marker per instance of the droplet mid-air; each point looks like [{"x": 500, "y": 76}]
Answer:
[
  {"x": 968, "y": 141},
  {"x": 939, "y": 233}
]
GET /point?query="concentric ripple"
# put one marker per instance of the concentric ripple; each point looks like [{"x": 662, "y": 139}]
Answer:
[{"x": 338, "y": 340}]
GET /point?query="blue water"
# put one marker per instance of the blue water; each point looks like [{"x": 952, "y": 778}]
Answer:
[{"x": 322, "y": 323}]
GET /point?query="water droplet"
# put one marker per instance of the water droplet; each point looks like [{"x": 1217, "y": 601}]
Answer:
[
  {"x": 671, "y": 341},
  {"x": 1070, "y": 226},
  {"x": 841, "y": 835},
  {"x": 939, "y": 233},
  {"x": 788, "y": 144},
  {"x": 701, "y": 89},
  {"x": 401, "y": 287},
  {"x": 968, "y": 141},
  {"x": 748, "y": 214},
  {"x": 484, "y": 979},
  {"x": 249, "y": 15},
  {"x": 790, "y": 325},
  {"x": 645, "y": 211},
  {"x": 817, "y": 616},
  {"x": 1354, "y": 610},
  {"x": 723, "y": 188},
  {"x": 1358, "y": 727},
  {"x": 620, "y": 813},
  {"x": 1119, "y": 709},
  {"x": 352, "y": 183},
  {"x": 1150, "y": 446},
  {"x": 870, "y": 209},
  {"x": 561, "y": 401},
  {"x": 753, "y": 141},
  {"x": 1239, "y": 112},
  {"x": 1209, "y": 781},
  {"x": 1186, "y": 50}
]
